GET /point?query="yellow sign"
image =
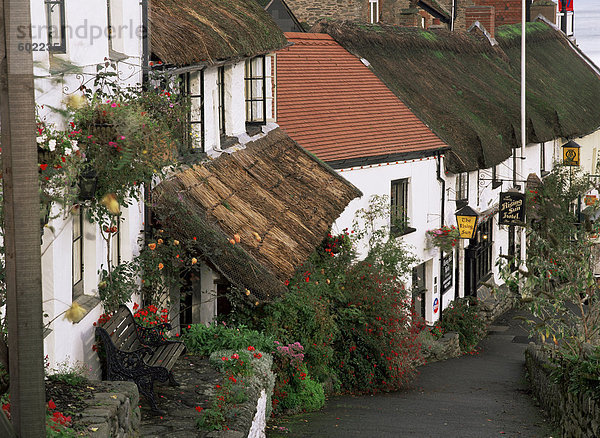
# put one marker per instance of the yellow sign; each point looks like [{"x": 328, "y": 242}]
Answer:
[
  {"x": 570, "y": 156},
  {"x": 466, "y": 226}
]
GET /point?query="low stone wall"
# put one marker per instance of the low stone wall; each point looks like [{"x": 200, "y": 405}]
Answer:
[
  {"x": 112, "y": 414},
  {"x": 444, "y": 348},
  {"x": 578, "y": 415},
  {"x": 493, "y": 304}
]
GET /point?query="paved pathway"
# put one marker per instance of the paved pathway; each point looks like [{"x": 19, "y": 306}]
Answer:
[{"x": 484, "y": 395}]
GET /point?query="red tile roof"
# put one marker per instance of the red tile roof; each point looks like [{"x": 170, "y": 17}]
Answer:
[{"x": 335, "y": 106}]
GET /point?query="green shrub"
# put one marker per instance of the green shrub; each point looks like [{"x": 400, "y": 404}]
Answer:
[
  {"x": 579, "y": 373},
  {"x": 302, "y": 394},
  {"x": 295, "y": 390},
  {"x": 203, "y": 340},
  {"x": 461, "y": 317}
]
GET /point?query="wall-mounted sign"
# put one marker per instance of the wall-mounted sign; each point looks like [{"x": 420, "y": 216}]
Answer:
[
  {"x": 590, "y": 199},
  {"x": 511, "y": 210},
  {"x": 447, "y": 269},
  {"x": 436, "y": 305},
  {"x": 466, "y": 221},
  {"x": 571, "y": 153}
]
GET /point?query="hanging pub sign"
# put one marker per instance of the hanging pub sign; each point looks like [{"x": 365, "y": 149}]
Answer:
[
  {"x": 512, "y": 208},
  {"x": 571, "y": 153},
  {"x": 447, "y": 268},
  {"x": 466, "y": 222}
]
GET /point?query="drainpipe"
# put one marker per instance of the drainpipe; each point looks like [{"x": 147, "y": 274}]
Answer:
[{"x": 442, "y": 214}]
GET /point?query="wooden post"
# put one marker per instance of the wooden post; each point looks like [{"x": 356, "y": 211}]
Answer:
[{"x": 22, "y": 222}]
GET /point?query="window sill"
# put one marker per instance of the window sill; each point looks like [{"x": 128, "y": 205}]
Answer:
[{"x": 404, "y": 232}]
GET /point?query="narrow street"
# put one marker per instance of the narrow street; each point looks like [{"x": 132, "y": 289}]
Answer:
[{"x": 481, "y": 395}]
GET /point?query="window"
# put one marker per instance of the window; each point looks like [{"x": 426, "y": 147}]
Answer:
[
  {"x": 374, "y": 11},
  {"x": 256, "y": 90},
  {"x": 193, "y": 86},
  {"x": 399, "y": 206},
  {"x": 542, "y": 157},
  {"x": 55, "y": 16},
  {"x": 77, "y": 253},
  {"x": 462, "y": 187},
  {"x": 115, "y": 28},
  {"x": 221, "y": 97}
]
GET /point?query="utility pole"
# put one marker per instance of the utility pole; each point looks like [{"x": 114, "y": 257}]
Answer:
[{"x": 21, "y": 222}]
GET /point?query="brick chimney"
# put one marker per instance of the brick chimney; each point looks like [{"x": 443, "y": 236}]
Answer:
[{"x": 486, "y": 15}]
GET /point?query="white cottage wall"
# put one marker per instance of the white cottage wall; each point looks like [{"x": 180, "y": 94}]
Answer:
[
  {"x": 424, "y": 203},
  {"x": 58, "y": 76}
]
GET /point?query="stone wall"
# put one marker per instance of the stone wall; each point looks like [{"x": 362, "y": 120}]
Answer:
[
  {"x": 493, "y": 302},
  {"x": 112, "y": 414},
  {"x": 311, "y": 11},
  {"x": 578, "y": 415},
  {"x": 444, "y": 348}
]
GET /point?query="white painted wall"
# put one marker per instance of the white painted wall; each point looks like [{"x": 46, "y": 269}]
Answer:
[
  {"x": 424, "y": 209},
  {"x": 87, "y": 45}
]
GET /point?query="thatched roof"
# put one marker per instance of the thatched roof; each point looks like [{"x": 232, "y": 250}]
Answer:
[
  {"x": 185, "y": 32},
  {"x": 468, "y": 92},
  {"x": 274, "y": 188}
]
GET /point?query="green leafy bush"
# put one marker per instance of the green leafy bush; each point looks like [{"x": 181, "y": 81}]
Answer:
[
  {"x": 295, "y": 390},
  {"x": 580, "y": 373},
  {"x": 461, "y": 317},
  {"x": 203, "y": 340}
]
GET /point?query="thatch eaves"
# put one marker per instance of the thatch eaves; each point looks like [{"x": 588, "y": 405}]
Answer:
[
  {"x": 468, "y": 91},
  {"x": 273, "y": 188},
  {"x": 185, "y": 32}
]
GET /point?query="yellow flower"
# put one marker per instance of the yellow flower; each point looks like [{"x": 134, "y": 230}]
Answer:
[
  {"x": 176, "y": 242},
  {"x": 160, "y": 266},
  {"x": 160, "y": 241},
  {"x": 194, "y": 261},
  {"x": 111, "y": 203},
  {"x": 152, "y": 246},
  {"x": 75, "y": 313}
]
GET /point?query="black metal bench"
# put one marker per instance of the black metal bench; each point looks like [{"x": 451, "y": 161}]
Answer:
[{"x": 138, "y": 354}]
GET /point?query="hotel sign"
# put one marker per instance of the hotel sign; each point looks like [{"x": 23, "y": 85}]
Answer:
[{"x": 512, "y": 208}]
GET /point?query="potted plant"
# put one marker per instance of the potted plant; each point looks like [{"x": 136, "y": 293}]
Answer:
[{"x": 445, "y": 237}]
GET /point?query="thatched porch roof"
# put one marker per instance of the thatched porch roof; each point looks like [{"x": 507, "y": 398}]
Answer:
[
  {"x": 185, "y": 32},
  {"x": 273, "y": 188},
  {"x": 468, "y": 91}
]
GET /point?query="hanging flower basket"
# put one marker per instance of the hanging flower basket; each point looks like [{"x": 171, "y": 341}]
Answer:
[{"x": 445, "y": 237}]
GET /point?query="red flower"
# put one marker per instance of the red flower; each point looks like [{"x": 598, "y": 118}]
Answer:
[
  {"x": 257, "y": 355},
  {"x": 199, "y": 409},
  {"x": 251, "y": 348},
  {"x": 43, "y": 167},
  {"x": 51, "y": 405},
  {"x": 136, "y": 306}
]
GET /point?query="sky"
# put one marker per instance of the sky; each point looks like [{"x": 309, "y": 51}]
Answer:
[{"x": 587, "y": 27}]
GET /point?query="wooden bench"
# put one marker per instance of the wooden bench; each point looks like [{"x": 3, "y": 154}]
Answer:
[{"x": 138, "y": 354}]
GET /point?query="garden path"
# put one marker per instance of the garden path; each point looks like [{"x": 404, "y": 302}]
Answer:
[{"x": 481, "y": 395}]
